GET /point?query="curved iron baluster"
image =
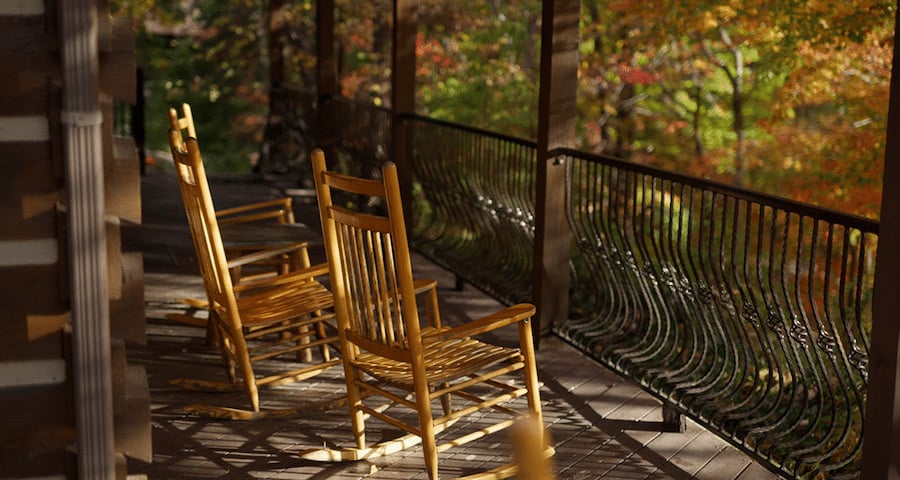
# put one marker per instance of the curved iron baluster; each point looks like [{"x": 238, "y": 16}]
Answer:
[{"x": 749, "y": 312}]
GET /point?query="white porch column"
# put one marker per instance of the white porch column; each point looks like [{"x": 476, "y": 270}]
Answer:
[{"x": 81, "y": 120}]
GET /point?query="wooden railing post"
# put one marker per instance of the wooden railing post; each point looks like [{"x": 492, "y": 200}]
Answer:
[
  {"x": 881, "y": 430},
  {"x": 403, "y": 94},
  {"x": 556, "y": 128}
]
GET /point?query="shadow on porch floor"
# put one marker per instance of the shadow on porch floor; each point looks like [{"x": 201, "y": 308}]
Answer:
[{"x": 602, "y": 426}]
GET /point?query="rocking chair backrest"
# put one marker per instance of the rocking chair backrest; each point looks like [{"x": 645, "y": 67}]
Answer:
[
  {"x": 371, "y": 272},
  {"x": 185, "y": 122},
  {"x": 204, "y": 227}
]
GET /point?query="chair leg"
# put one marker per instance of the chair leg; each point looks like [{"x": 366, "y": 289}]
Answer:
[
  {"x": 228, "y": 359},
  {"x": 321, "y": 335},
  {"x": 304, "y": 355},
  {"x": 225, "y": 346},
  {"x": 426, "y": 427},
  {"x": 429, "y": 445},
  {"x": 526, "y": 343},
  {"x": 247, "y": 375},
  {"x": 446, "y": 401},
  {"x": 357, "y": 417},
  {"x": 253, "y": 393},
  {"x": 210, "y": 329}
]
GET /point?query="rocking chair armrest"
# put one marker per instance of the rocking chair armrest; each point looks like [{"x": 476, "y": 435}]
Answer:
[
  {"x": 428, "y": 287},
  {"x": 303, "y": 274},
  {"x": 266, "y": 254},
  {"x": 507, "y": 316},
  {"x": 421, "y": 285},
  {"x": 277, "y": 208}
]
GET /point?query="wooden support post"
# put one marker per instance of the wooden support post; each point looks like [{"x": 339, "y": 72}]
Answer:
[
  {"x": 326, "y": 64},
  {"x": 326, "y": 77},
  {"x": 403, "y": 95},
  {"x": 274, "y": 156},
  {"x": 881, "y": 430},
  {"x": 556, "y": 128},
  {"x": 138, "y": 127},
  {"x": 81, "y": 120},
  {"x": 276, "y": 43},
  {"x": 673, "y": 421}
]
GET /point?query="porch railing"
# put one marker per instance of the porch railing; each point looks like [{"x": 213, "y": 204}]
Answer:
[
  {"x": 474, "y": 205},
  {"x": 749, "y": 313}
]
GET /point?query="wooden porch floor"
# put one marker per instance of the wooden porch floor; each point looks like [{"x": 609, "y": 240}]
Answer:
[{"x": 602, "y": 426}]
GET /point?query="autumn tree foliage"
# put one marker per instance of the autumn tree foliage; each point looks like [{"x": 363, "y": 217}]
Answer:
[
  {"x": 786, "y": 97},
  {"x": 833, "y": 112},
  {"x": 782, "y": 96},
  {"x": 208, "y": 54},
  {"x": 480, "y": 64},
  {"x": 477, "y": 61}
]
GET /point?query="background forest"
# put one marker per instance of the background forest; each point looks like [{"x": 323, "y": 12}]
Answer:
[{"x": 781, "y": 96}]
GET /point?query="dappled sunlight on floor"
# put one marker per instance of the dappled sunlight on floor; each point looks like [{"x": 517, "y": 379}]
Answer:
[{"x": 601, "y": 426}]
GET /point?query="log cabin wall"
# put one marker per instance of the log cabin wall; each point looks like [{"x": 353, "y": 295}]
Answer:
[{"x": 38, "y": 437}]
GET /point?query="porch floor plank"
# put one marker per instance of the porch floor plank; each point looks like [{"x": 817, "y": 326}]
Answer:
[{"x": 728, "y": 464}]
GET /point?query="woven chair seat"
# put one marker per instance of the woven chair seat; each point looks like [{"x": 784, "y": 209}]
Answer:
[{"x": 445, "y": 360}]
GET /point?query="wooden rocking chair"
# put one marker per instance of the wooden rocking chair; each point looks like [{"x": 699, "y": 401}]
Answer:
[
  {"x": 259, "y": 319},
  {"x": 387, "y": 353},
  {"x": 278, "y": 210}
]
